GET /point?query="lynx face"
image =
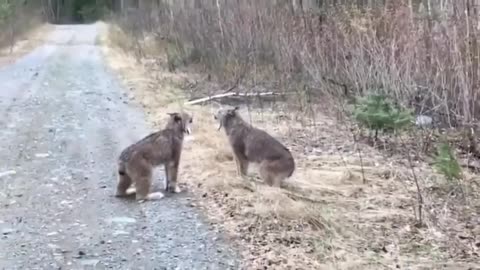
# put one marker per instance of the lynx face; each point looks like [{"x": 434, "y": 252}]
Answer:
[
  {"x": 183, "y": 119},
  {"x": 224, "y": 115}
]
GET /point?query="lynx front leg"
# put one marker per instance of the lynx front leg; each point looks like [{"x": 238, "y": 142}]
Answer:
[
  {"x": 243, "y": 167},
  {"x": 167, "y": 177},
  {"x": 237, "y": 164},
  {"x": 242, "y": 164},
  {"x": 171, "y": 170}
]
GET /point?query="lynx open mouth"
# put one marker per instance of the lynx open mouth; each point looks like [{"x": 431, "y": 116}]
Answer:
[{"x": 220, "y": 122}]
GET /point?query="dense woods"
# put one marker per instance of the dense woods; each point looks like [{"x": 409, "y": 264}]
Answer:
[{"x": 423, "y": 53}]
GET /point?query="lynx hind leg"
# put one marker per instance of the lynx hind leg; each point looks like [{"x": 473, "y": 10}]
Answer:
[
  {"x": 141, "y": 172},
  {"x": 272, "y": 174}
]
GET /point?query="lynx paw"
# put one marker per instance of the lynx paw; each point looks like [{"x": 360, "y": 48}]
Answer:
[
  {"x": 131, "y": 190},
  {"x": 173, "y": 189}
]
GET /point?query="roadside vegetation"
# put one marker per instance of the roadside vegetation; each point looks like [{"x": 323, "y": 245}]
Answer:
[
  {"x": 377, "y": 101},
  {"x": 17, "y": 20}
]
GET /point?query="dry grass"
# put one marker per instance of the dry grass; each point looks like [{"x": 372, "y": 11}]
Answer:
[
  {"x": 328, "y": 219},
  {"x": 25, "y": 43}
]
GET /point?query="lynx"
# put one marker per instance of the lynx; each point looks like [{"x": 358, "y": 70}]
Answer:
[
  {"x": 251, "y": 144},
  {"x": 137, "y": 161}
]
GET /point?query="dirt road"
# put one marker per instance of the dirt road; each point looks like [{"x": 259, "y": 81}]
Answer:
[{"x": 64, "y": 119}]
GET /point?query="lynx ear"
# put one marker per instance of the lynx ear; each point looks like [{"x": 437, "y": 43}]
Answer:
[
  {"x": 233, "y": 111},
  {"x": 176, "y": 117}
]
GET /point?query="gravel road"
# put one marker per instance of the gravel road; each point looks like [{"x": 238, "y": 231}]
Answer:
[{"x": 64, "y": 118}]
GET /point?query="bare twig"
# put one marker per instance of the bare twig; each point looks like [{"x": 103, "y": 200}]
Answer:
[
  {"x": 364, "y": 179},
  {"x": 419, "y": 191},
  {"x": 239, "y": 78},
  {"x": 233, "y": 87}
]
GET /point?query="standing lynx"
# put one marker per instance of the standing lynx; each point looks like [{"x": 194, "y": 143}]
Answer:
[{"x": 164, "y": 147}]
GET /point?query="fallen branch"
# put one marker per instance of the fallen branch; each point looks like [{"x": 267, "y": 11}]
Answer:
[{"x": 219, "y": 96}]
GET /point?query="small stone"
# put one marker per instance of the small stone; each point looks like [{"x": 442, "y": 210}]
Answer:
[
  {"x": 42, "y": 155},
  {"x": 7, "y": 173},
  {"x": 122, "y": 220},
  {"x": 7, "y": 231},
  {"x": 117, "y": 233},
  {"x": 92, "y": 262},
  {"x": 53, "y": 246}
]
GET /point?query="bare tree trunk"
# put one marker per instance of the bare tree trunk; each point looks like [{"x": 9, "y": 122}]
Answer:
[
  {"x": 12, "y": 26},
  {"x": 428, "y": 39},
  {"x": 472, "y": 53},
  {"x": 467, "y": 65},
  {"x": 48, "y": 9},
  {"x": 220, "y": 25},
  {"x": 58, "y": 8}
]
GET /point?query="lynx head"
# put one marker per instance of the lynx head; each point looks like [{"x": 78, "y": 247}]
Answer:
[
  {"x": 183, "y": 121},
  {"x": 225, "y": 116}
]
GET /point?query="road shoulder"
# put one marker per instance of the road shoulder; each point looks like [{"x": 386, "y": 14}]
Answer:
[{"x": 26, "y": 43}]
